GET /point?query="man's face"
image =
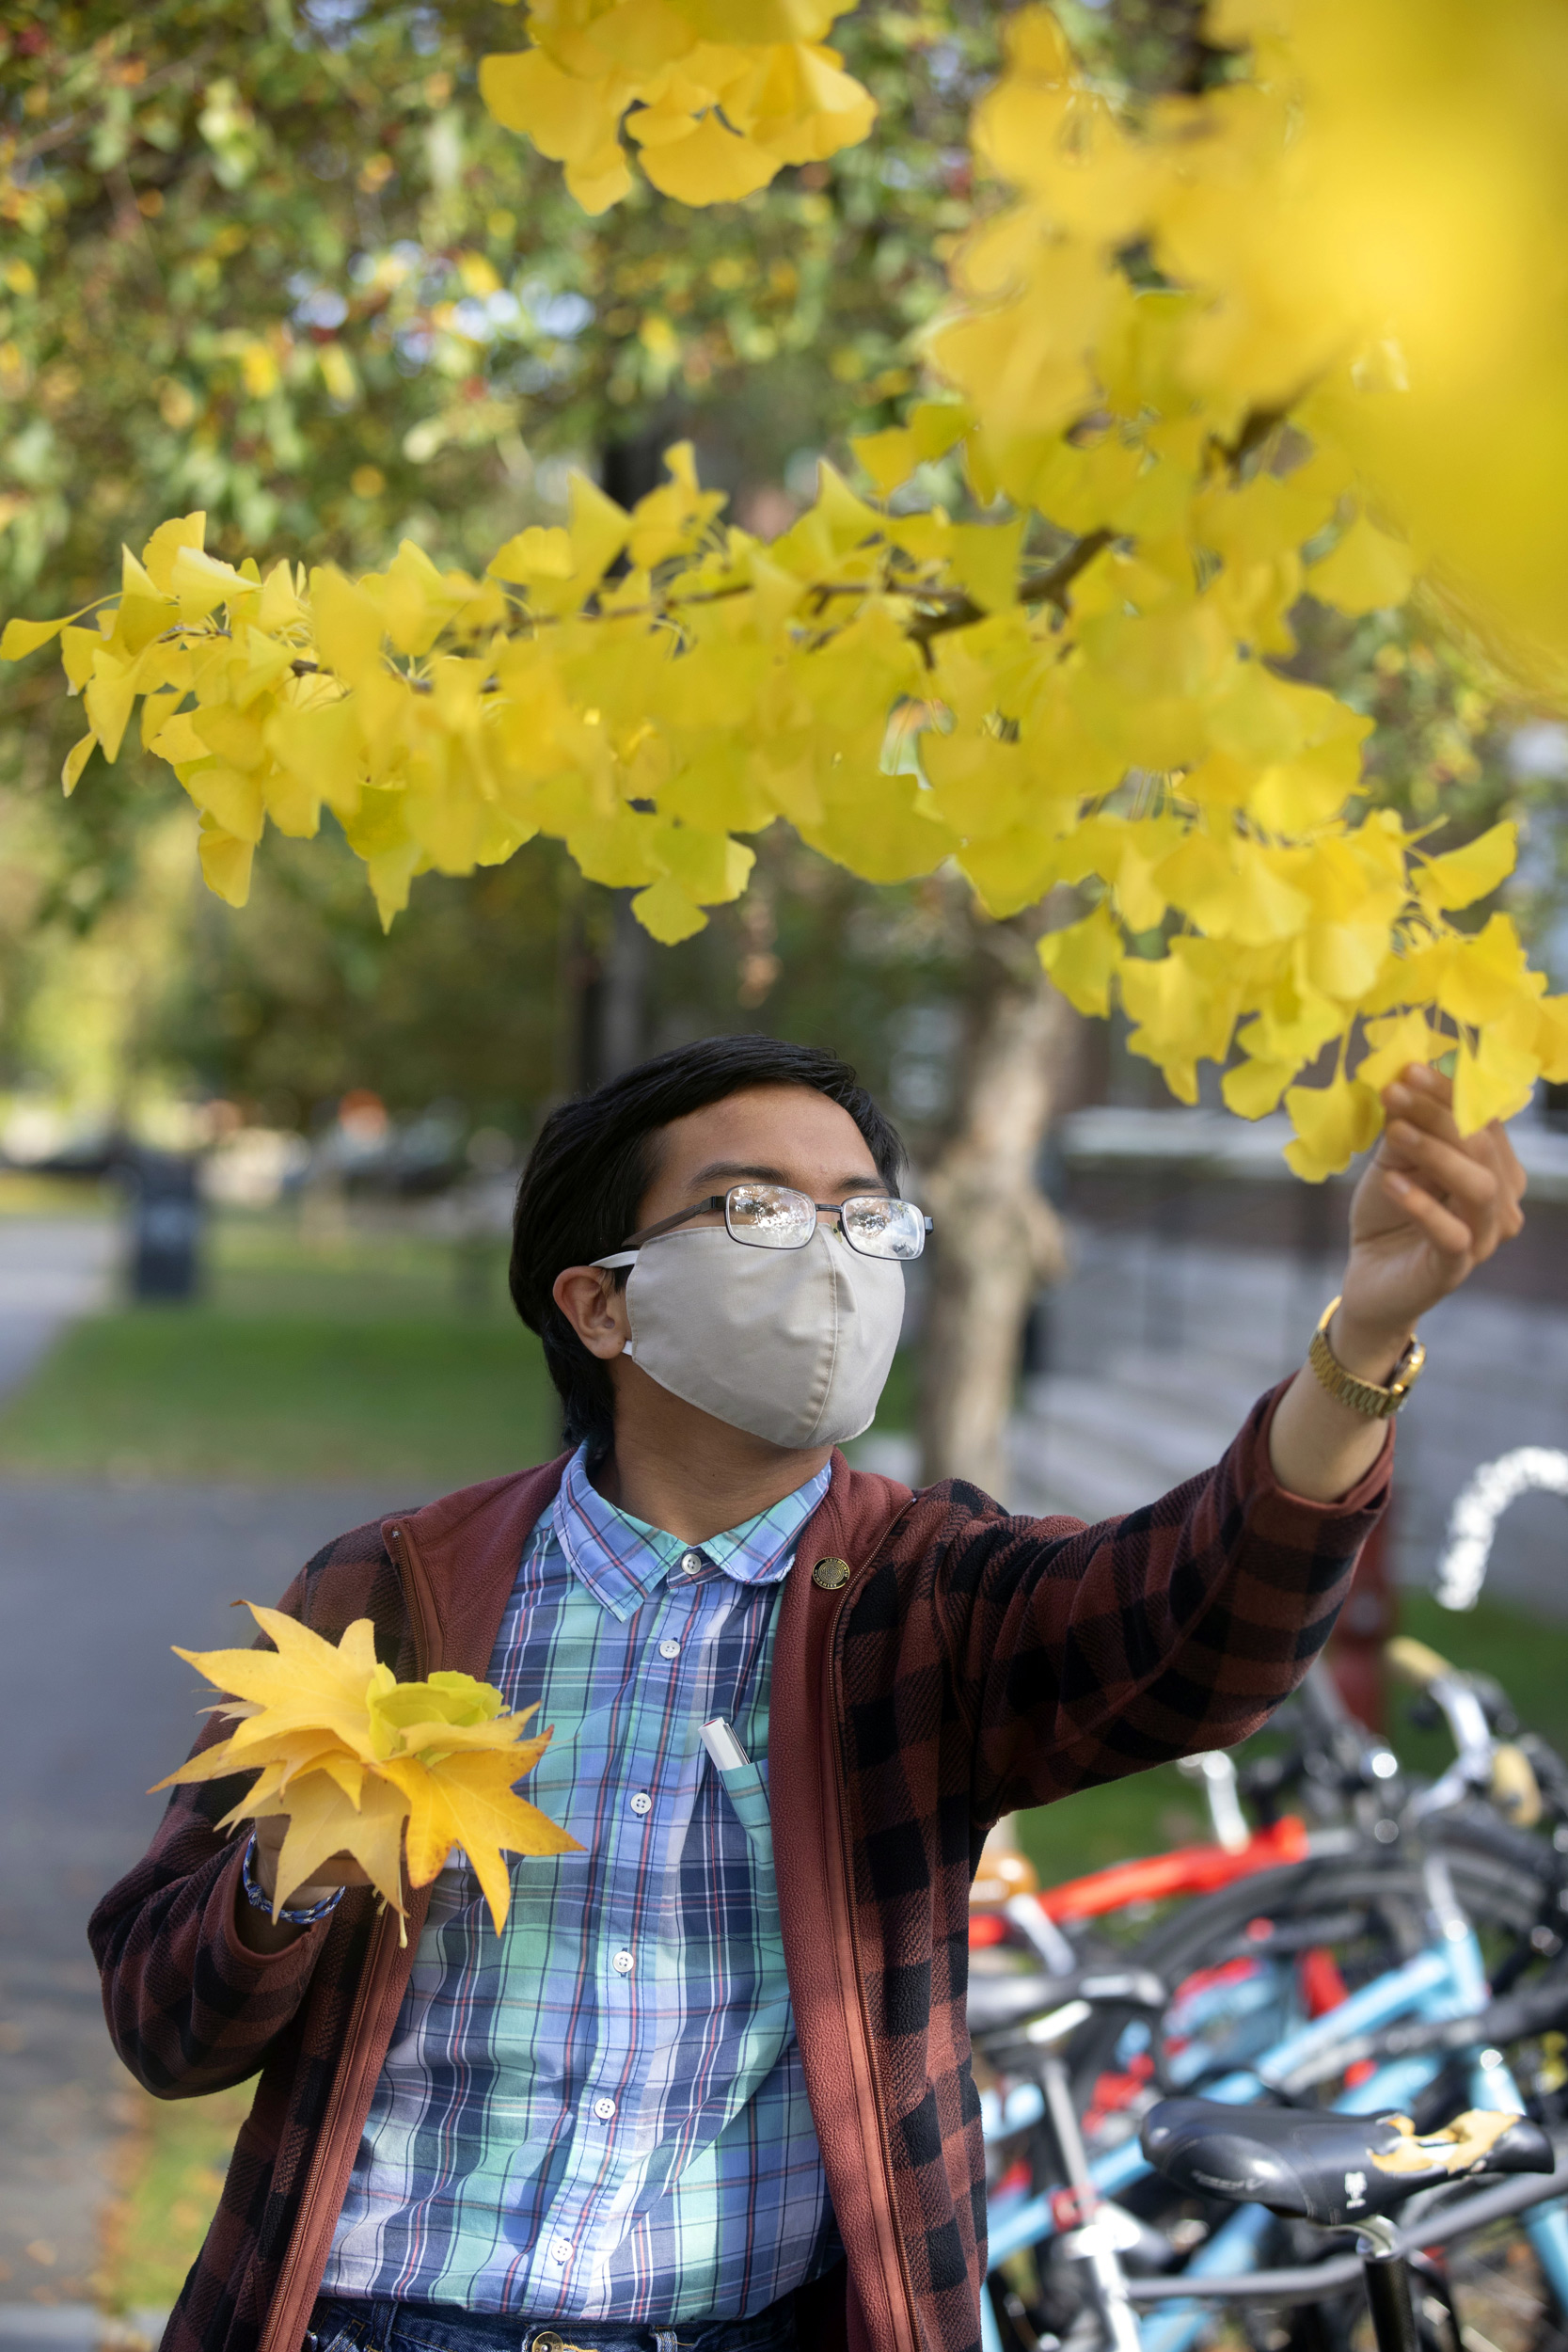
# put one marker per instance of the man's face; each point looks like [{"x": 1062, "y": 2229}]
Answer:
[{"x": 777, "y": 1135}]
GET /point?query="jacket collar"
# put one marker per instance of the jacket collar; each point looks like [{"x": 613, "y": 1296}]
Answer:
[{"x": 459, "y": 1556}]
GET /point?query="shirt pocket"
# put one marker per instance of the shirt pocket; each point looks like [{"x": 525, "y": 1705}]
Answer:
[{"x": 747, "y": 1789}]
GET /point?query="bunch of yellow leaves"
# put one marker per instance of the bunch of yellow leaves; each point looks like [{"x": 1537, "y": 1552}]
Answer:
[
  {"x": 1102, "y": 722},
  {"x": 364, "y": 1765},
  {"x": 715, "y": 117}
]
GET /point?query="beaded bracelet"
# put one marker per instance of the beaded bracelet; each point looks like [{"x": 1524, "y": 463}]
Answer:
[{"x": 259, "y": 1900}]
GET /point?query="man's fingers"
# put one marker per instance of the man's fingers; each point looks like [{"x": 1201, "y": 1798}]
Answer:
[
  {"x": 1506, "y": 1161},
  {"x": 1425, "y": 1098},
  {"x": 1449, "y": 1165},
  {"x": 1444, "y": 1229}
]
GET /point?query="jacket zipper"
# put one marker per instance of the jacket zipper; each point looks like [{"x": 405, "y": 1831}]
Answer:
[
  {"x": 286, "y": 2325},
  {"x": 861, "y": 2042}
]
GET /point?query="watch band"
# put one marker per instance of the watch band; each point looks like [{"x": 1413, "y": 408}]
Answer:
[
  {"x": 1377, "y": 1402},
  {"x": 259, "y": 1900}
]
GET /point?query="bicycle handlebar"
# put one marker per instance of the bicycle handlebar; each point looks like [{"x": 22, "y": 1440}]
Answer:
[{"x": 1481, "y": 1761}]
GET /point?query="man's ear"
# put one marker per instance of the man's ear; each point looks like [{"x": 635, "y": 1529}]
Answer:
[{"x": 595, "y": 1304}]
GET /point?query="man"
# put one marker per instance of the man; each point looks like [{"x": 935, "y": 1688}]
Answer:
[{"x": 712, "y": 2086}]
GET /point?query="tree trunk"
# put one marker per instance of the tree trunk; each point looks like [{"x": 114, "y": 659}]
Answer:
[{"x": 997, "y": 1238}]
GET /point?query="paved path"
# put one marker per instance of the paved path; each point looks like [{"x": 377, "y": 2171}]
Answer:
[
  {"x": 97, "y": 1581},
  {"x": 52, "y": 1269}
]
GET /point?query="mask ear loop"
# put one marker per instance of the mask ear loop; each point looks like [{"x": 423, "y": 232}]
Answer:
[{"x": 612, "y": 1264}]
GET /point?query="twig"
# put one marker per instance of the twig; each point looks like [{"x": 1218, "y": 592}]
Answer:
[{"x": 1048, "y": 587}]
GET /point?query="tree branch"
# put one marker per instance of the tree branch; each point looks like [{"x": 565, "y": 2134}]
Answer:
[{"x": 1047, "y": 587}]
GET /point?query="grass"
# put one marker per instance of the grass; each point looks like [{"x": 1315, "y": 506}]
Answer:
[
  {"x": 357, "y": 1353},
  {"x": 171, "y": 2174},
  {"x": 355, "y": 1356}
]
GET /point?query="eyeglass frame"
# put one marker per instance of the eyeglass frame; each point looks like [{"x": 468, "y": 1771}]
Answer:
[{"x": 721, "y": 1200}]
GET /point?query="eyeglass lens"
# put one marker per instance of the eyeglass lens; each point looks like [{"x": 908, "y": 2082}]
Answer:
[
  {"x": 769, "y": 1217},
  {"x": 772, "y": 1216}
]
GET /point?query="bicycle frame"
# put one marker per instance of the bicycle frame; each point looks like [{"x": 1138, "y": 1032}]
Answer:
[{"x": 1155, "y": 1879}]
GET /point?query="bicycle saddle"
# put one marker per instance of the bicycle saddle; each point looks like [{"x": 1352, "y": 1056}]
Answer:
[{"x": 1325, "y": 2167}]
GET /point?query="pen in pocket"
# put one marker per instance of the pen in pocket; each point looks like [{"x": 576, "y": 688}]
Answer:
[{"x": 719, "y": 1739}]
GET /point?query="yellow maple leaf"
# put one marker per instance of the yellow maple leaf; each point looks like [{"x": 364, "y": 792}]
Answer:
[
  {"x": 467, "y": 1801},
  {"x": 324, "y": 1821},
  {"x": 303, "y": 1683}
]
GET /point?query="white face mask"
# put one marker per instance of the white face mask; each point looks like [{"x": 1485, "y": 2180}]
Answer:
[{"x": 793, "y": 1344}]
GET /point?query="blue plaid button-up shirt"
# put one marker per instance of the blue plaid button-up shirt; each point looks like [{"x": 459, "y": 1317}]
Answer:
[{"x": 601, "y": 2114}]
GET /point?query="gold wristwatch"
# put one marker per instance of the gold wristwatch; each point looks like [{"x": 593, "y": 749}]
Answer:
[{"x": 1363, "y": 1396}]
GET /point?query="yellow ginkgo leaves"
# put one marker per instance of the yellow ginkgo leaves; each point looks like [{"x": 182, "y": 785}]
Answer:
[
  {"x": 712, "y": 116},
  {"x": 904, "y": 691},
  {"x": 390, "y": 1773}
]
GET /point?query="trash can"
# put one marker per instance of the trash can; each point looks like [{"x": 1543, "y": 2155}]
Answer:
[{"x": 165, "y": 1225}]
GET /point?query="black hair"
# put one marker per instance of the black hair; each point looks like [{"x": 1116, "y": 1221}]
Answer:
[{"x": 588, "y": 1173}]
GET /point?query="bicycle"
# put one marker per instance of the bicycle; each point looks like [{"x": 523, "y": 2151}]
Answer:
[{"x": 1250, "y": 2047}]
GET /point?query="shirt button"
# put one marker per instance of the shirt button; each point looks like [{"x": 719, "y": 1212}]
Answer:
[
  {"x": 561, "y": 2250},
  {"x": 641, "y": 1802},
  {"x": 623, "y": 1963},
  {"x": 604, "y": 2110},
  {"x": 669, "y": 1650},
  {"x": 692, "y": 1563}
]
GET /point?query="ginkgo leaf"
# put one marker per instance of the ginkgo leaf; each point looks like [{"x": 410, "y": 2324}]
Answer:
[
  {"x": 21, "y": 638},
  {"x": 1396, "y": 1043},
  {"x": 467, "y": 1801},
  {"x": 1082, "y": 957},
  {"x": 1332, "y": 1124},
  {"x": 1366, "y": 572},
  {"x": 1157, "y": 453},
  {"x": 1251, "y": 1088},
  {"x": 1494, "y": 1080},
  {"x": 1461, "y": 877}
]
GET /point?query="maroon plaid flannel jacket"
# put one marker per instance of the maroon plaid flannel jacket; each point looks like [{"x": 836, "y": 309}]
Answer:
[{"x": 973, "y": 1663}]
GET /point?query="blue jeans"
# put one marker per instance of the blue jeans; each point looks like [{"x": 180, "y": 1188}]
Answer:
[{"x": 342, "y": 2326}]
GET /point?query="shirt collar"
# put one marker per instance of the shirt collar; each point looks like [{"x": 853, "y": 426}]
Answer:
[{"x": 623, "y": 1560}]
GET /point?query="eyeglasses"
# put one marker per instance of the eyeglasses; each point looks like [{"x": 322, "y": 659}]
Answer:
[{"x": 773, "y": 1217}]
